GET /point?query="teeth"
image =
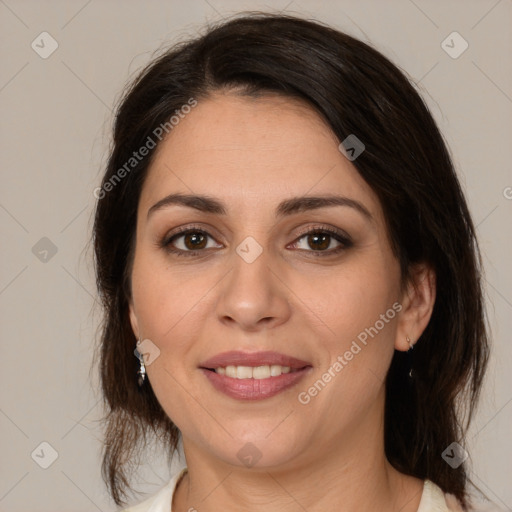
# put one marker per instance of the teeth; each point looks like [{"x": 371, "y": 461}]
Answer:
[
  {"x": 241, "y": 372},
  {"x": 249, "y": 372}
]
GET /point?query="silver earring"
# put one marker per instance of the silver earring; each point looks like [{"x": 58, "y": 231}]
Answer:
[
  {"x": 141, "y": 372},
  {"x": 411, "y": 346}
]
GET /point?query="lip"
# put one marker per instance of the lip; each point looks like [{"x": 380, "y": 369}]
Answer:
[
  {"x": 254, "y": 389},
  {"x": 254, "y": 359}
]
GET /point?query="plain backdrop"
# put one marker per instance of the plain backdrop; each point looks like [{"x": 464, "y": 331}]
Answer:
[{"x": 55, "y": 133}]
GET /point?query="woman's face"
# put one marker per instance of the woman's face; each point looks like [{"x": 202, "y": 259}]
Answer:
[{"x": 248, "y": 277}]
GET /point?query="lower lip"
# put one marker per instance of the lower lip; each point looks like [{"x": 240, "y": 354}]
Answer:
[{"x": 254, "y": 389}]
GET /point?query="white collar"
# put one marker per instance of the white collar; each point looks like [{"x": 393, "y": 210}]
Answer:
[{"x": 433, "y": 499}]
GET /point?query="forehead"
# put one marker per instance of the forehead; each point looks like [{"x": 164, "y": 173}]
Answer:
[{"x": 253, "y": 149}]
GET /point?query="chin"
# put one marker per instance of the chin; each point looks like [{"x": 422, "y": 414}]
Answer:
[{"x": 258, "y": 452}]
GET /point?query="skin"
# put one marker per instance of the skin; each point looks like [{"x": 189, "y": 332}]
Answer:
[{"x": 251, "y": 154}]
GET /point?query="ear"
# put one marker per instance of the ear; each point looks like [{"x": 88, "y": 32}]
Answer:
[
  {"x": 418, "y": 298},
  {"x": 133, "y": 319}
]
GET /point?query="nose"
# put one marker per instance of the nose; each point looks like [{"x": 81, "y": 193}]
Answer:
[{"x": 253, "y": 296}]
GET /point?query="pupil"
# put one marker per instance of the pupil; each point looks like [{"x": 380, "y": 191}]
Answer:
[
  {"x": 322, "y": 241},
  {"x": 194, "y": 240}
]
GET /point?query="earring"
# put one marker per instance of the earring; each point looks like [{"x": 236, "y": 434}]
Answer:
[
  {"x": 409, "y": 352},
  {"x": 141, "y": 372}
]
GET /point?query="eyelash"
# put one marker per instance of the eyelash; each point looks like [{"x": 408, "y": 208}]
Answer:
[{"x": 342, "y": 238}]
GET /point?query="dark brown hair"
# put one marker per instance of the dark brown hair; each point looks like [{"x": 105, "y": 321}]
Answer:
[{"x": 406, "y": 163}]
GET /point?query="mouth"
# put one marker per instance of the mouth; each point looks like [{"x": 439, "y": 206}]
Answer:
[
  {"x": 254, "y": 376},
  {"x": 254, "y": 372}
]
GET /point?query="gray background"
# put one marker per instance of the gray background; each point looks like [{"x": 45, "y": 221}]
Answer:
[{"x": 55, "y": 127}]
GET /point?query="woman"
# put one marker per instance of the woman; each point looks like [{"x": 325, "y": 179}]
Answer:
[{"x": 281, "y": 237}]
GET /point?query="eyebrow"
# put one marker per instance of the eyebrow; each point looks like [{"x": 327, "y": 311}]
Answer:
[{"x": 288, "y": 207}]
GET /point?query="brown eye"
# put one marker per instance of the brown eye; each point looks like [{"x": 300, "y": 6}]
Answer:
[
  {"x": 323, "y": 242},
  {"x": 194, "y": 240},
  {"x": 188, "y": 242},
  {"x": 319, "y": 241}
]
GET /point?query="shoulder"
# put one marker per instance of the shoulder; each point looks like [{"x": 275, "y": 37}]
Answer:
[
  {"x": 434, "y": 500},
  {"x": 476, "y": 502},
  {"x": 162, "y": 500},
  {"x": 478, "y": 505}
]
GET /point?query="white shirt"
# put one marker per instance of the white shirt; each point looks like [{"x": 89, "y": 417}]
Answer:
[{"x": 432, "y": 499}]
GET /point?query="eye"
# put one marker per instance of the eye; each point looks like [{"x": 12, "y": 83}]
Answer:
[
  {"x": 322, "y": 240},
  {"x": 187, "y": 242}
]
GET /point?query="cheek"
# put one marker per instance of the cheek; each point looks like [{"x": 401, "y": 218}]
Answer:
[
  {"x": 168, "y": 306},
  {"x": 358, "y": 355},
  {"x": 353, "y": 299},
  {"x": 166, "y": 301},
  {"x": 359, "y": 309}
]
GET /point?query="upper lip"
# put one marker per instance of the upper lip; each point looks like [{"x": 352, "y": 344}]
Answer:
[{"x": 238, "y": 358}]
